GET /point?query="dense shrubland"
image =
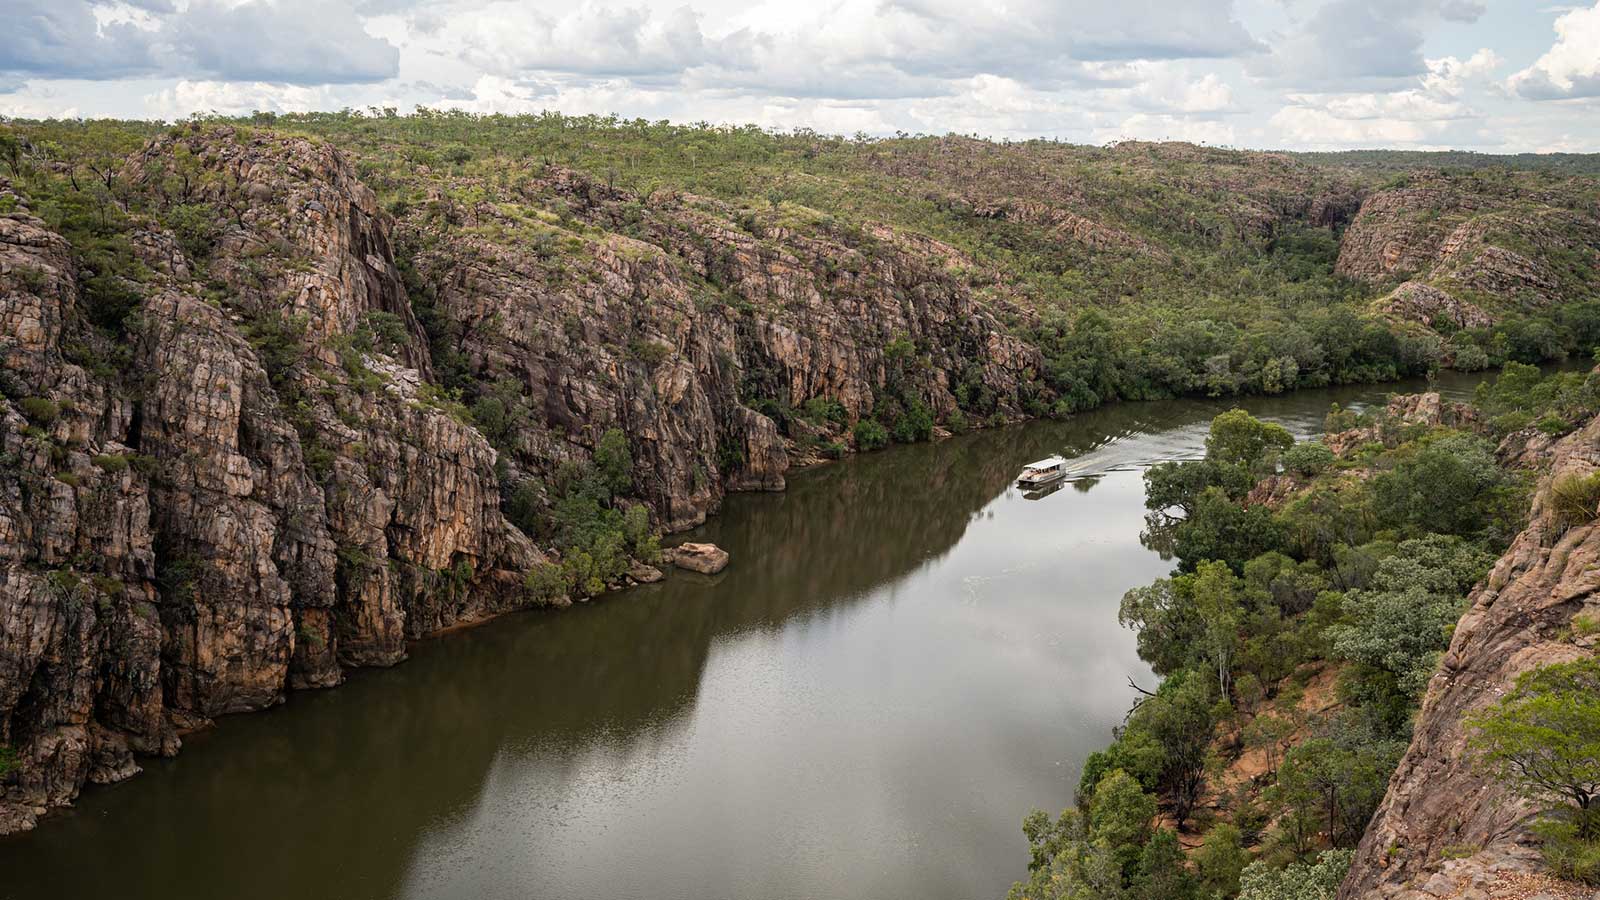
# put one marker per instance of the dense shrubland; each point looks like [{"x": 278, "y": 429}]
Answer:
[{"x": 1345, "y": 588}]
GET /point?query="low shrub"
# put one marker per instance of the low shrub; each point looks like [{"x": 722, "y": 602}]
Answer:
[
  {"x": 110, "y": 462},
  {"x": 1567, "y": 853},
  {"x": 1308, "y": 458},
  {"x": 1576, "y": 499},
  {"x": 870, "y": 435},
  {"x": 40, "y": 411}
]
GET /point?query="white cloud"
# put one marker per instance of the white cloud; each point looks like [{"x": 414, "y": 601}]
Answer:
[
  {"x": 510, "y": 38},
  {"x": 1361, "y": 42},
  {"x": 1310, "y": 126},
  {"x": 1449, "y": 76},
  {"x": 237, "y": 98},
  {"x": 1258, "y": 72},
  {"x": 1173, "y": 87},
  {"x": 849, "y": 49},
  {"x": 1571, "y": 67}
]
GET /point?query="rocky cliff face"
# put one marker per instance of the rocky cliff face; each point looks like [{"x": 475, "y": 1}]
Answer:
[
  {"x": 671, "y": 317},
  {"x": 276, "y": 484},
  {"x": 1468, "y": 249},
  {"x": 199, "y": 541},
  {"x": 1519, "y": 620}
]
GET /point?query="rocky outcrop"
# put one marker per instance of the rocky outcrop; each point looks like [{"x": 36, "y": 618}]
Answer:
[
  {"x": 222, "y": 528},
  {"x": 690, "y": 325},
  {"x": 1473, "y": 249},
  {"x": 1418, "y": 302},
  {"x": 1425, "y": 410},
  {"x": 1400, "y": 231},
  {"x": 1519, "y": 619}
]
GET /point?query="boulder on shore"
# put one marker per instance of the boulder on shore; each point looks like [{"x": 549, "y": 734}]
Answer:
[
  {"x": 707, "y": 559},
  {"x": 644, "y": 573}
]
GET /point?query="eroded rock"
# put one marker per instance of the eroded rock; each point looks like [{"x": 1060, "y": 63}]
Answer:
[{"x": 707, "y": 559}]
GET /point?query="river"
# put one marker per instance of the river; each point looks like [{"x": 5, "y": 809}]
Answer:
[{"x": 906, "y": 655}]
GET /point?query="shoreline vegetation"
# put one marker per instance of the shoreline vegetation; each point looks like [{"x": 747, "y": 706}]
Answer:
[{"x": 1326, "y": 570}]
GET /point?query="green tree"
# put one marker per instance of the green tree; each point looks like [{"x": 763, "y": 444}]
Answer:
[
  {"x": 870, "y": 435},
  {"x": 1543, "y": 738},
  {"x": 1216, "y": 601},
  {"x": 1119, "y": 817},
  {"x": 1308, "y": 458},
  {"x": 1221, "y": 529},
  {"x": 1270, "y": 733},
  {"x": 1343, "y": 779},
  {"x": 1178, "y": 485},
  {"x": 1451, "y": 485},
  {"x": 1238, "y": 438},
  {"x": 614, "y": 463},
  {"x": 1400, "y": 625},
  {"x": 1220, "y": 859},
  {"x": 1163, "y": 870},
  {"x": 1168, "y": 629},
  {"x": 1179, "y": 719}
]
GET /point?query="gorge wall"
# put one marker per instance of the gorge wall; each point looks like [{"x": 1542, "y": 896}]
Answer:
[
  {"x": 282, "y": 491},
  {"x": 239, "y": 461}
]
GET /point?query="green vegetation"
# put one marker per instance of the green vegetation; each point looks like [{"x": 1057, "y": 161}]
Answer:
[
  {"x": 1317, "y": 880},
  {"x": 40, "y": 411},
  {"x": 1543, "y": 738},
  {"x": 870, "y": 435},
  {"x": 1354, "y": 581},
  {"x": 1522, "y": 397},
  {"x": 595, "y": 531},
  {"x": 1576, "y": 499},
  {"x": 8, "y": 761}
]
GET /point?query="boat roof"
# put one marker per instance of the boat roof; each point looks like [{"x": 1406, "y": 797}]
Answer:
[{"x": 1045, "y": 463}]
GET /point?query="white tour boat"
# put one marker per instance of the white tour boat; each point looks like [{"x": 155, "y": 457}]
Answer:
[{"x": 1043, "y": 472}]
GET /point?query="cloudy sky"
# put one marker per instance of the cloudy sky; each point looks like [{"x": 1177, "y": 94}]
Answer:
[{"x": 1492, "y": 75}]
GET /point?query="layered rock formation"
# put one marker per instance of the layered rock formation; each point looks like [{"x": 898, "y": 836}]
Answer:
[
  {"x": 1470, "y": 248},
  {"x": 201, "y": 540},
  {"x": 671, "y": 317},
  {"x": 1438, "y": 798},
  {"x": 271, "y": 479}
]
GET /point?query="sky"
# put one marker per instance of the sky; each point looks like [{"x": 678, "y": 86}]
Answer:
[{"x": 1487, "y": 75}]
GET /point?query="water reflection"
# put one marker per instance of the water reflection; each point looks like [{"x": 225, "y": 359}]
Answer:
[{"x": 904, "y": 657}]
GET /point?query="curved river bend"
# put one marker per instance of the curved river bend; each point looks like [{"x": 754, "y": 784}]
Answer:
[{"x": 906, "y": 655}]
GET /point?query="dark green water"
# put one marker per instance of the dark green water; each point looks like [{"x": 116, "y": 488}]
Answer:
[{"x": 905, "y": 656}]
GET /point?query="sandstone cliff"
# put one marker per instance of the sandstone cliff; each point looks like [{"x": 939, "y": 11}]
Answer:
[
  {"x": 1437, "y": 799},
  {"x": 1470, "y": 248},
  {"x": 268, "y": 480}
]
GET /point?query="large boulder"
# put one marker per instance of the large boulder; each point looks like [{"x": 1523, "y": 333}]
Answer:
[{"x": 707, "y": 559}]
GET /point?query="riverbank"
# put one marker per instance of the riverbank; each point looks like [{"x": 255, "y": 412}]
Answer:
[{"x": 893, "y": 664}]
